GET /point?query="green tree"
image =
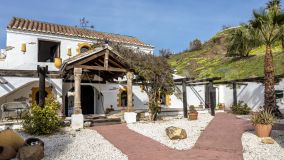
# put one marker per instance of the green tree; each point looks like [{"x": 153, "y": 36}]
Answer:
[
  {"x": 195, "y": 45},
  {"x": 241, "y": 42},
  {"x": 154, "y": 74},
  {"x": 268, "y": 23}
]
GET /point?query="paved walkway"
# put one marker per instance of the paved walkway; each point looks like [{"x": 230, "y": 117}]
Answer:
[{"x": 221, "y": 140}]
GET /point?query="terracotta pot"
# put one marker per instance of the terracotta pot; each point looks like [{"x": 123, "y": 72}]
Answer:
[
  {"x": 192, "y": 115},
  {"x": 263, "y": 130},
  {"x": 57, "y": 62},
  {"x": 221, "y": 106}
]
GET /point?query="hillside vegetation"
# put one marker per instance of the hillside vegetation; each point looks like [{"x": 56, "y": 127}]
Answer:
[{"x": 211, "y": 61}]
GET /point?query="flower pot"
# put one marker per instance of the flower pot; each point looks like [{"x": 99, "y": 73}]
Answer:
[
  {"x": 192, "y": 115},
  {"x": 263, "y": 130},
  {"x": 130, "y": 117},
  {"x": 57, "y": 62}
]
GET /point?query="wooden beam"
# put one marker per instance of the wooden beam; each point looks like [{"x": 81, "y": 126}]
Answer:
[
  {"x": 91, "y": 58},
  {"x": 184, "y": 98},
  {"x": 27, "y": 73},
  {"x": 235, "y": 97},
  {"x": 100, "y": 68},
  {"x": 106, "y": 59}
]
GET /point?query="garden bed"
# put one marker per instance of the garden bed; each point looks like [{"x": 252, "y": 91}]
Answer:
[
  {"x": 253, "y": 148},
  {"x": 156, "y": 130},
  {"x": 84, "y": 145}
]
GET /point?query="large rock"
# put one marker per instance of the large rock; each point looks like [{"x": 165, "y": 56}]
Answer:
[
  {"x": 7, "y": 153},
  {"x": 267, "y": 140},
  {"x": 175, "y": 133},
  {"x": 10, "y": 138},
  {"x": 34, "y": 152}
]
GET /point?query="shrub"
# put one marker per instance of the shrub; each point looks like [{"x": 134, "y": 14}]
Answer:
[
  {"x": 264, "y": 117},
  {"x": 195, "y": 45},
  {"x": 41, "y": 121},
  {"x": 192, "y": 109},
  {"x": 241, "y": 108}
]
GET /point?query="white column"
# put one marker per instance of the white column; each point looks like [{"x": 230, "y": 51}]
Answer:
[{"x": 77, "y": 118}]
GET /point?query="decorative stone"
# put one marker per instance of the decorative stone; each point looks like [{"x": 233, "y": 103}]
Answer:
[
  {"x": 9, "y": 138},
  {"x": 77, "y": 121},
  {"x": 33, "y": 152},
  {"x": 175, "y": 133},
  {"x": 130, "y": 117},
  {"x": 267, "y": 140},
  {"x": 7, "y": 153},
  {"x": 87, "y": 124},
  {"x": 66, "y": 123}
]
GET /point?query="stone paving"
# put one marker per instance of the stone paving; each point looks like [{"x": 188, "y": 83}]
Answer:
[{"x": 221, "y": 140}]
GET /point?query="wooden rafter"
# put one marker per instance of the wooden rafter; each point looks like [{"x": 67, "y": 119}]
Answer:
[{"x": 100, "y": 68}]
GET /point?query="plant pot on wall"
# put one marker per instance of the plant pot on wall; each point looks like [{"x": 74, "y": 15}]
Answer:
[
  {"x": 192, "y": 115},
  {"x": 57, "y": 62},
  {"x": 263, "y": 130}
]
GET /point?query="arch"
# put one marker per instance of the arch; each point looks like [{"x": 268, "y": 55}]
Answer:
[
  {"x": 122, "y": 97},
  {"x": 83, "y": 47},
  {"x": 34, "y": 94}
]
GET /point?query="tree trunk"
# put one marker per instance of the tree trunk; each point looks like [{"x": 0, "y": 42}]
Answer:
[{"x": 269, "y": 96}]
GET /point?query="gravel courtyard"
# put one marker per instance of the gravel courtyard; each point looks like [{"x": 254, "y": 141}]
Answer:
[
  {"x": 254, "y": 149},
  {"x": 156, "y": 130},
  {"x": 84, "y": 145}
]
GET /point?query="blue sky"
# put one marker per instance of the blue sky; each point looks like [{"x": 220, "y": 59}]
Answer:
[{"x": 167, "y": 24}]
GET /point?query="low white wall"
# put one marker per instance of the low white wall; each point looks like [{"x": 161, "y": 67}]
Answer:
[{"x": 251, "y": 94}]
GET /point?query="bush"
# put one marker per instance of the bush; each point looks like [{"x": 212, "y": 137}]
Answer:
[
  {"x": 192, "y": 109},
  {"x": 195, "y": 45},
  {"x": 241, "y": 108},
  {"x": 264, "y": 117},
  {"x": 41, "y": 121}
]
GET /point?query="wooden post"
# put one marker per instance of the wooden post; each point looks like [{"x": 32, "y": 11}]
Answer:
[
  {"x": 129, "y": 76},
  {"x": 77, "y": 96},
  {"x": 184, "y": 98},
  {"x": 42, "y": 71},
  {"x": 211, "y": 96},
  {"x": 235, "y": 97}
]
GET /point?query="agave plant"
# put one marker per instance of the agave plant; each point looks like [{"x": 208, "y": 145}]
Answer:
[{"x": 264, "y": 117}]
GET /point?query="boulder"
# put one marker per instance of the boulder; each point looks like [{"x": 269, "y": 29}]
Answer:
[
  {"x": 267, "y": 140},
  {"x": 7, "y": 153},
  {"x": 87, "y": 124},
  {"x": 34, "y": 152},
  {"x": 10, "y": 138},
  {"x": 175, "y": 133}
]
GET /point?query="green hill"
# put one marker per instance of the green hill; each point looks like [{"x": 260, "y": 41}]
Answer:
[{"x": 211, "y": 61}]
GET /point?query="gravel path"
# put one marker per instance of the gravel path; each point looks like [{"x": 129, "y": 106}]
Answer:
[
  {"x": 84, "y": 145},
  {"x": 156, "y": 130},
  {"x": 253, "y": 149}
]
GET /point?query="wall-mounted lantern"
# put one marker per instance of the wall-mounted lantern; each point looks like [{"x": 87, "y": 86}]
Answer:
[
  {"x": 69, "y": 52},
  {"x": 24, "y": 47}
]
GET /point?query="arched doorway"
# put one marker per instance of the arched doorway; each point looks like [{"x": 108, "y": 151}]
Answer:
[{"x": 87, "y": 99}]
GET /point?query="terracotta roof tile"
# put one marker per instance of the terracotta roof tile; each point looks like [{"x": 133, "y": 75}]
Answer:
[{"x": 49, "y": 28}]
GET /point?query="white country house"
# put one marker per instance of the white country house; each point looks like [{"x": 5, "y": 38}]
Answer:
[
  {"x": 63, "y": 48},
  {"x": 31, "y": 43}
]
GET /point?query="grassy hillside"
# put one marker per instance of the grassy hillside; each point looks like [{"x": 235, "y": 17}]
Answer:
[{"x": 210, "y": 61}]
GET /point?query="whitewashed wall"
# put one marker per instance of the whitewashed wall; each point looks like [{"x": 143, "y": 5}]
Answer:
[
  {"x": 251, "y": 93},
  {"x": 21, "y": 88},
  {"x": 16, "y": 59}
]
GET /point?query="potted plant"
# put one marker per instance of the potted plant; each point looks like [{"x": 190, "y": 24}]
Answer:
[
  {"x": 192, "y": 114},
  {"x": 57, "y": 62},
  {"x": 263, "y": 122}
]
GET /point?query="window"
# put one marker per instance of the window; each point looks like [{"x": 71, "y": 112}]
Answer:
[
  {"x": 84, "y": 49},
  {"x": 48, "y": 50}
]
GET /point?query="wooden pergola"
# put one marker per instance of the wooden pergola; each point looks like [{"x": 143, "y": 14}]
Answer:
[
  {"x": 191, "y": 82},
  {"x": 100, "y": 65}
]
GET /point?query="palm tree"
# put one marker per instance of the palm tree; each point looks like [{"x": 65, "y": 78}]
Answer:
[
  {"x": 268, "y": 23},
  {"x": 241, "y": 42}
]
